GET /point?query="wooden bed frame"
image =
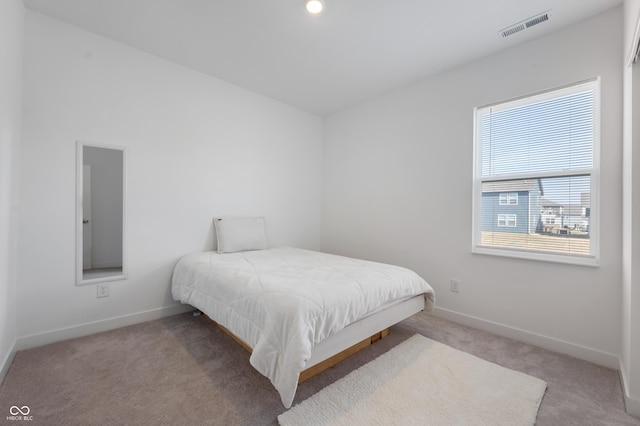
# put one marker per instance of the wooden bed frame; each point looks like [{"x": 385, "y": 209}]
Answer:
[{"x": 339, "y": 346}]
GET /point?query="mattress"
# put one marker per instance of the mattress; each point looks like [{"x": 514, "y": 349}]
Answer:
[{"x": 283, "y": 301}]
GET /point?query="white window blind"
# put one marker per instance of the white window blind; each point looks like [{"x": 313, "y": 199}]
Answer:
[{"x": 536, "y": 161}]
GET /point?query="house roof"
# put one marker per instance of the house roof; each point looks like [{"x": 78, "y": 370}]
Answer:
[
  {"x": 572, "y": 210},
  {"x": 549, "y": 203},
  {"x": 567, "y": 209},
  {"x": 512, "y": 185}
]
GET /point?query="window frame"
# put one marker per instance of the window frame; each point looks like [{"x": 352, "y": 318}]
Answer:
[
  {"x": 506, "y": 219},
  {"x": 593, "y": 258}
]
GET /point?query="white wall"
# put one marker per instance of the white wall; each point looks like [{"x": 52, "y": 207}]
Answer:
[
  {"x": 398, "y": 180},
  {"x": 197, "y": 147},
  {"x": 630, "y": 351},
  {"x": 11, "y": 40}
]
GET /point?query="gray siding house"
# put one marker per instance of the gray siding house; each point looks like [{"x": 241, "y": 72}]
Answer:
[{"x": 512, "y": 206}]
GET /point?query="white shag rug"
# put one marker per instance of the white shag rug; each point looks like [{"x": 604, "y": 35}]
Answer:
[{"x": 423, "y": 382}]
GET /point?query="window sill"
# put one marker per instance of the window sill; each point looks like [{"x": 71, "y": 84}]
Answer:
[{"x": 591, "y": 261}]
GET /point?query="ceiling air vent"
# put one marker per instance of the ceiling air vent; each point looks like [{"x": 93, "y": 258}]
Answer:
[
  {"x": 537, "y": 20},
  {"x": 513, "y": 29},
  {"x": 526, "y": 24}
]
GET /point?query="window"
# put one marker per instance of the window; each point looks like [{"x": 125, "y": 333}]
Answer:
[
  {"x": 510, "y": 198},
  {"x": 536, "y": 163},
  {"x": 507, "y": 220}
]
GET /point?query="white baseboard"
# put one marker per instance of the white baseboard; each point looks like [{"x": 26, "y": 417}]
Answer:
[
  {"x": 632, "y": 405},
  {"x": 41, "y": 339},
  {"x": 6, "y": 362},
  {"x": 582, "y": 352}
]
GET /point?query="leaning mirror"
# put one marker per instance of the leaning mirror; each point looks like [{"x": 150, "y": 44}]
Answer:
[{"x": 100, "y": 213}]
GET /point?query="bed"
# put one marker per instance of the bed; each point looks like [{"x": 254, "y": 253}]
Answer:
[{"x": 295, "y": 308}]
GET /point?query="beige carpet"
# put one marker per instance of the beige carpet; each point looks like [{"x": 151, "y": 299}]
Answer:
[
  {"x": 424, "y": 382},
  {"x": 182, "y": 370}
]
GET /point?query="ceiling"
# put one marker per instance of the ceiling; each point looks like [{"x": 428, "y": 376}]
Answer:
[{"x": 354, "y": 51}]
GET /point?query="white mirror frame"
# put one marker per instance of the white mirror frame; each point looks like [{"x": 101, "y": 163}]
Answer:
[{"x": 80, "y": 280}]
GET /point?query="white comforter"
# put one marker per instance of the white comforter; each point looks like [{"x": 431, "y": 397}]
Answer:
[{"x": 283, "y": 301}]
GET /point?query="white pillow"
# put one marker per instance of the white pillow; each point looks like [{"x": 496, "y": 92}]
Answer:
[{"x": 240, "y": 234}]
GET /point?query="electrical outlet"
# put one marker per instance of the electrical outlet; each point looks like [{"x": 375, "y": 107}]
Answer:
[
  {"x": 103, "y": 290},
  {"x": 455, "y": 286}
]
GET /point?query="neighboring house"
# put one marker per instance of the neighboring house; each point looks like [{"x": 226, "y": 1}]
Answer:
[
  {"x": 572, "y": 216},
  {"x": 512, "y": 206}
]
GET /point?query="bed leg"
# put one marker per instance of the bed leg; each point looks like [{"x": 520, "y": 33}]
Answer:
[{"x": 380, "y": 335}]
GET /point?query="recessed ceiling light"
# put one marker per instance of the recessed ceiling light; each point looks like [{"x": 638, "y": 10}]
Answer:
[{"x": 314, "y": 6}]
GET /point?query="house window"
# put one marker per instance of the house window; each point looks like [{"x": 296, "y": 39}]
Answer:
[
  {"x": 508, "y": 220},
  {"x": 508, "y": 198},
  {"x": 539, "y": 155}
]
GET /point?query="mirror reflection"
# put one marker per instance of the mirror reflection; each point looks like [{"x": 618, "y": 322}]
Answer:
[{"x": 100, "y": 211}]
